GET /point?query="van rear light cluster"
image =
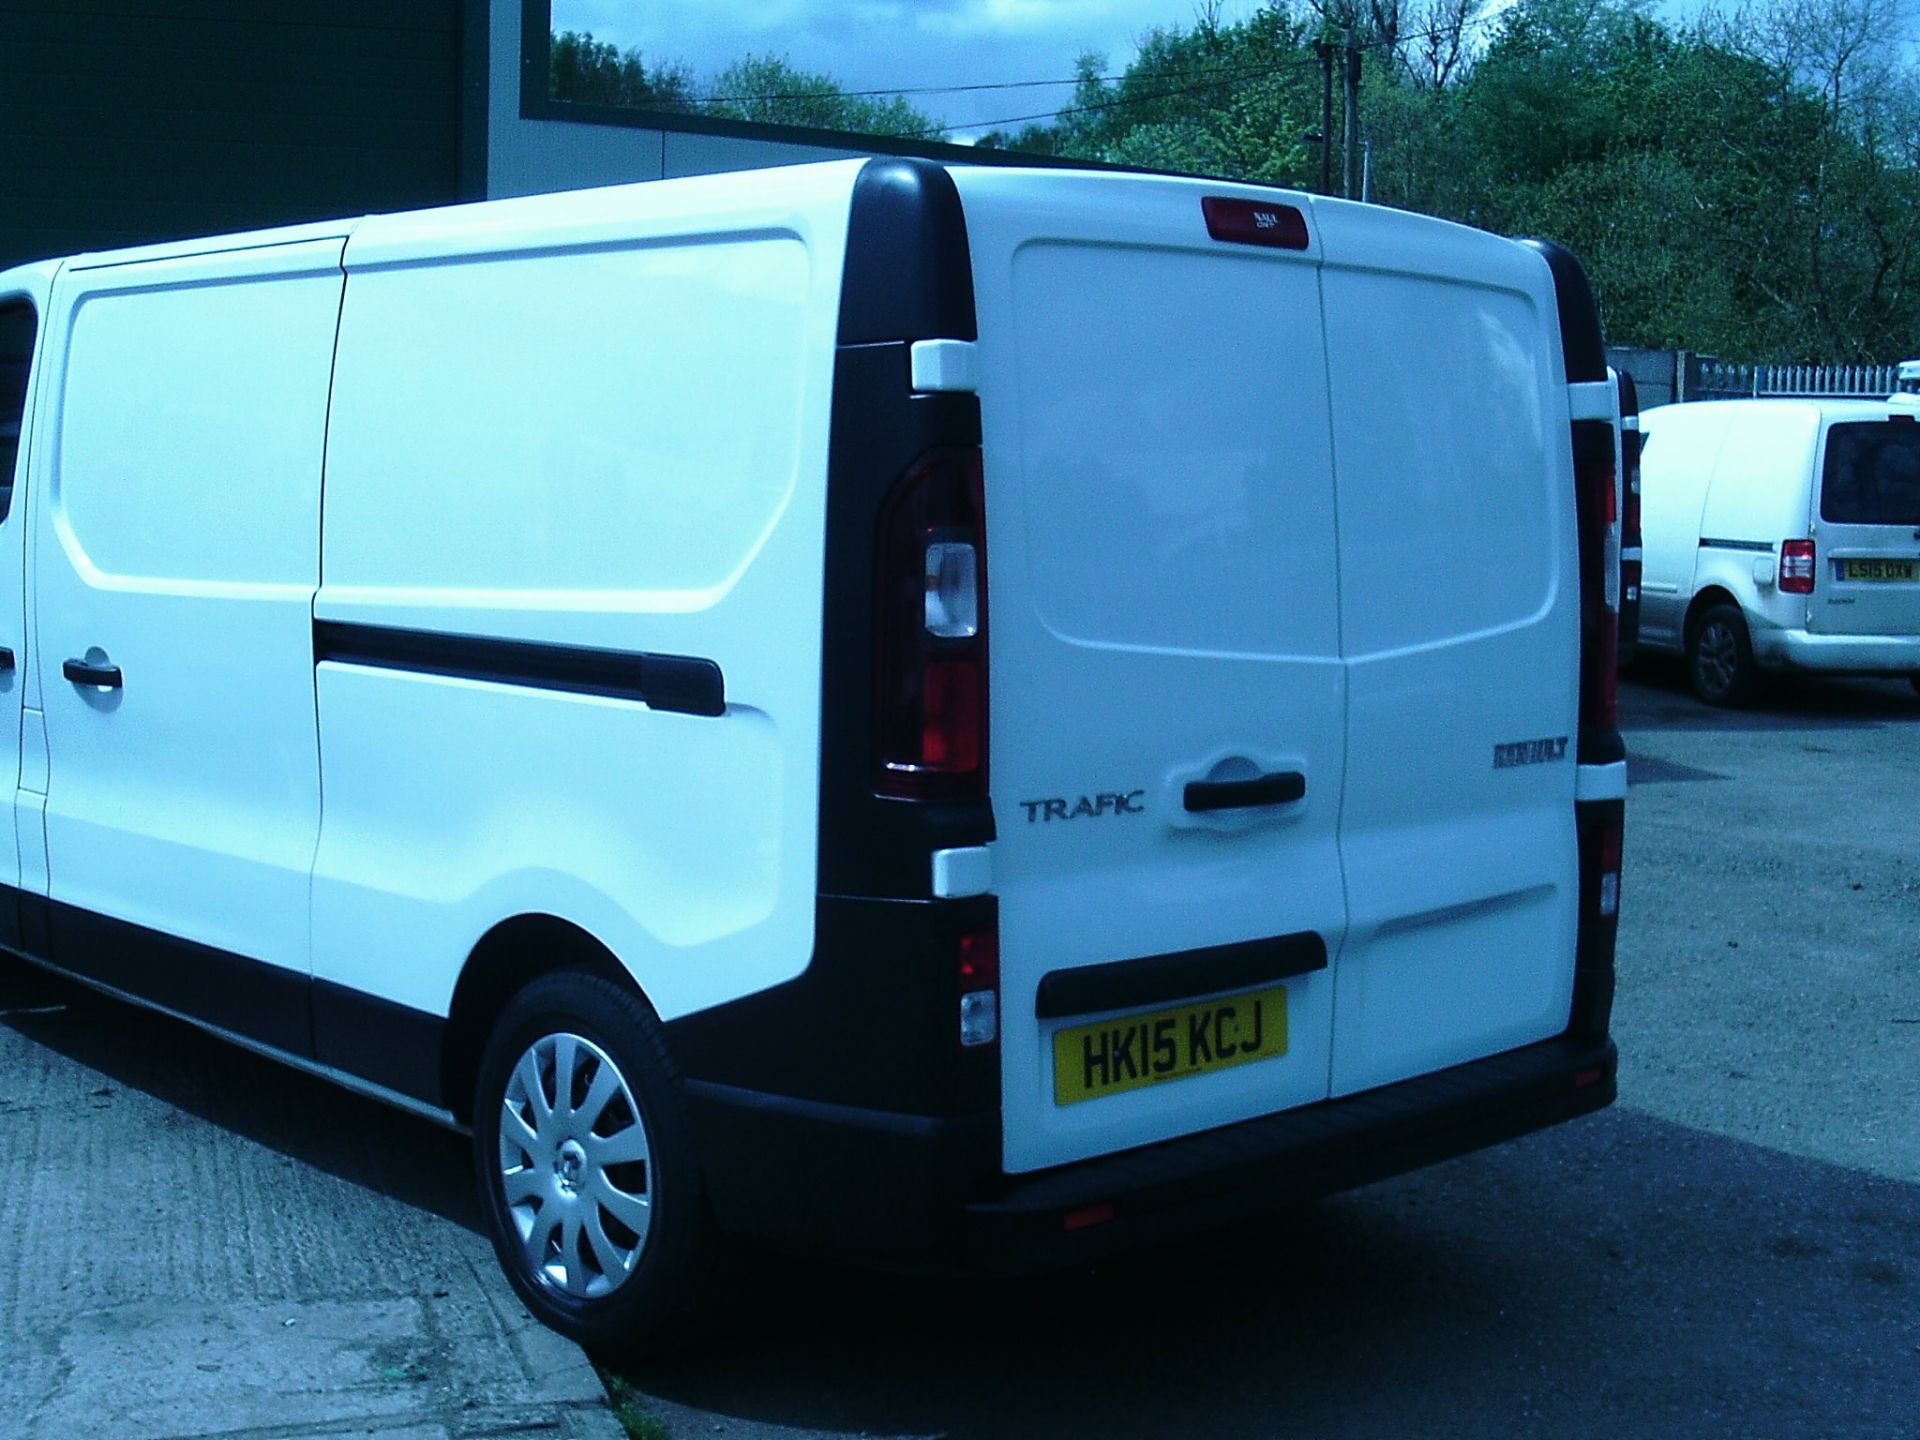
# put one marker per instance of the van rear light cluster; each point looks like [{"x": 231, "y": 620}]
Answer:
[
  {"x": 930, "y": 675},
  {"x": 1796, "y": 567},
  {"x": 1599, "y": 575},
  {"x": 978, "y": 972}
]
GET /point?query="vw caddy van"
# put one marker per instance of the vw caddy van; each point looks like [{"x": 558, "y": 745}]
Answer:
[
  {"x": 1783, "y": 536},
  {"x": 955, "y": 716}
]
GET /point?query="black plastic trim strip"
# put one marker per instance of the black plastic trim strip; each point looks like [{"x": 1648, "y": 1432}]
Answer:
[
  {"x": 1581, "y": 345},
  {"x": 313, "y": 1023},
  {"x": 1185, "y": 975},
  {"x": 1758, "y": 547},
  {"x": 385, "y": 1043},
  {"x": 684, "y": 684},
  {"x": 1180, "y": 1186}
]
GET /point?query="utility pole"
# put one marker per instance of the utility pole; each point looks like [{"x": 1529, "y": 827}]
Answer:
[
  {"x": 1353, "y": 115},
  {"x": 1324, "y": 49}
]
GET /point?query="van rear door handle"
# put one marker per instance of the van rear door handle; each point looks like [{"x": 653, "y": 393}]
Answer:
[
  {"x": 83, "y": 672},
  {"x": 6, "y": 659},
  {"x": 1277, "y": 787}
]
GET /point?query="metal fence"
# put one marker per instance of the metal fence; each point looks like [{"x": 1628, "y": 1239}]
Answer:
[{"x": 1712, "y": 379}]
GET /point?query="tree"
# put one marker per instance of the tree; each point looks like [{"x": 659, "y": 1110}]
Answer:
[
  {"x": 770, "y": 90},
  {"x": 593, "y": 72}
]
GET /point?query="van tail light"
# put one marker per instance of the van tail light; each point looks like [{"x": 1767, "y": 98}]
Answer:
[
  {"x": 1630, "y": 519},
  {"x": 978, "y": 974},
  {"x": 1600, "y": 851},
  {"x": 930, "y": 675},
  {"x": 1599, "y": 574},
  {"x": 1796, "y": 567}
]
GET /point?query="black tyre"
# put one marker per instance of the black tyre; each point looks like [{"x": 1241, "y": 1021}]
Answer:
[
  {"x": 1720, "y": 658},
  {"x": 586, "y": 1166}
]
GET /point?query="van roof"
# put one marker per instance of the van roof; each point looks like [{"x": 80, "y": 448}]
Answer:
[{"x": 1825, "y": 407}]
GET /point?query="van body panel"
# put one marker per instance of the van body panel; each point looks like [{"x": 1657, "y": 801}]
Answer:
[
  {"x": 1866, "y": 510},
  {"x": 1723, "y": 484},
  {"x": 604, "y": 498},
  {"x": 177, "y": 540},
  {"x": 1164, "y": 611},
  {"x": 1679, "y": 445},
  {"x": 1461, "y": 905}
]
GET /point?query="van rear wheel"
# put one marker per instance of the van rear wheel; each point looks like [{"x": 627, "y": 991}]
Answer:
[
  {"x": 1720, "y": 658},
  {"x": 586, "y": 1166}
]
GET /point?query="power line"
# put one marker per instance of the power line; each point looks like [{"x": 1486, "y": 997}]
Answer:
[{"x": 1117, "y": 101}]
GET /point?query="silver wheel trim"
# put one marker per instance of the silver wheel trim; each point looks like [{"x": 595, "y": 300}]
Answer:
[
  {"x": 1718, "y": 656},
  {"x": 576, "y": 1167}
]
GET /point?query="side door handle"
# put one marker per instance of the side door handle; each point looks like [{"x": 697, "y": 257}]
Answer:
[
  {"x": 84, "y": 672},
  {"x": 1277, "y": 787},
  {"x": 6, "y": 659}
]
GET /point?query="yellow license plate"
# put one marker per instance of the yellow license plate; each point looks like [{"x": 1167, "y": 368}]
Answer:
[
  {"x": 1119, "y": 1055},
  {"x": 1880, "y": 569}
]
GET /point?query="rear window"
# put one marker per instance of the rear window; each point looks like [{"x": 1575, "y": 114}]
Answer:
[{"x": 1872, "y": 474}]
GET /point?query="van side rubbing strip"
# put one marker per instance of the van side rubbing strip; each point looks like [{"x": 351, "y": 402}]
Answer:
[
  {"x": 684, "y": 684},
  {"x": 1159, "y": 979},
  {"x": 1759, "y": 547}
]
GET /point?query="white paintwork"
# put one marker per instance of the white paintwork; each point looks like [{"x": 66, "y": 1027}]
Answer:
[
  {"x": 176, "y": 533},
  {"x": 1594, "y": 399},
  {"x": 489, "y": 474},
  {"x": 1600, "y": 782},
  {"x": 1160, "y": 533},
  {"x": 966, "y": 870},
  {"x": 952, "y": 365},
  {"x": 1459, "y": 619},
  {"x": 1224, "y": 541},
  {"x": 1723, "y": 483}
]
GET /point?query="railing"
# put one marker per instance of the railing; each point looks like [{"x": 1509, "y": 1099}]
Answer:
[{"x": 1723, "y": 380}]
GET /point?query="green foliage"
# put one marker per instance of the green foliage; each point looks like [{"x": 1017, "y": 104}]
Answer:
[
  {"x": 769, "y": 90},
  {"x": 592, "y": 72},
  {"x": 1745, "y": 189}
]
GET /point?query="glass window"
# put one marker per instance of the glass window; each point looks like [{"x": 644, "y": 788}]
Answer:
[
  {"x": 17, "y": 330},
  {"x": 1873, "y": 474}
]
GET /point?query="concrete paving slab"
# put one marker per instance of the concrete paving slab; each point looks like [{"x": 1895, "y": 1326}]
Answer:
[{"x": 196, "y": 1242}]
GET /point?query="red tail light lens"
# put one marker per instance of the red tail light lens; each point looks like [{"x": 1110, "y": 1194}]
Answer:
[
  {"x": 1599, "y": 622},
  {"x": 1630, "y": 521},
  {"x": 979, "y": 977},
  {"x": 1796, "y": 567},
  {"x": 930, "y": 675}
]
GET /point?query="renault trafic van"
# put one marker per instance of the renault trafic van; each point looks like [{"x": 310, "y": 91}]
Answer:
[
  {"x": 950, "y": 715},
  {"x": 1781, "y": 535}
]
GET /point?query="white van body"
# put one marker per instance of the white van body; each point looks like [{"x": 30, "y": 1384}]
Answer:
[
  {"x": 1729, "y": 488},
  {"x": 429, "y": 613}
]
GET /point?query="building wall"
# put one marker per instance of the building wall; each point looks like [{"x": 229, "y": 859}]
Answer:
[
  {"x": 127, "y": 121},
  {"x": 531, "y": 153}
]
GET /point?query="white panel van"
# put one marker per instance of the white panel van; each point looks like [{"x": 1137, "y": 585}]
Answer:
[
  {"x": 1784, "y": 536},
  {"x": 943, "y": 714}
]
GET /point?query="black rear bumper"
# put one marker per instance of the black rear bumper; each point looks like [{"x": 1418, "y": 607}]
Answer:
[{"x": 922, "y": 1192}]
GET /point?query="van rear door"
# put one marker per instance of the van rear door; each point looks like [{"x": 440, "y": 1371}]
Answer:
[
  {"x": 1167, "y": 705},
  {"x": 1459, "y": 619},
  {"x": 1867, "y": 526}
]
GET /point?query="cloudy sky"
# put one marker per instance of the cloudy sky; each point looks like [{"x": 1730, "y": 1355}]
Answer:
[{"x": 887, "y": 44}]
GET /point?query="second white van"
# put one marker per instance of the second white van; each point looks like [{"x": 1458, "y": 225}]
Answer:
[{"x": 1781, "y": 535}]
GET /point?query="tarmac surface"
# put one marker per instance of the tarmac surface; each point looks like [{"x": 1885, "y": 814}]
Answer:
[{"x": 195, "y": 1242}]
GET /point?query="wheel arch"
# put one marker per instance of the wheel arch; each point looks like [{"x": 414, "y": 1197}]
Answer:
[
  {"x": 1708, "y": 597},
  {"x": 508, "y": 958}
]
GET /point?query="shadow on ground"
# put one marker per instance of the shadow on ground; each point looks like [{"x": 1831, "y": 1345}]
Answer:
[
  {"x": 1656, "y": 697},
  {"x": 1619, "y": 1276},
  {"x": 299, "y": 1116}
]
